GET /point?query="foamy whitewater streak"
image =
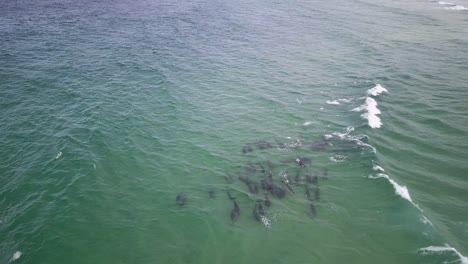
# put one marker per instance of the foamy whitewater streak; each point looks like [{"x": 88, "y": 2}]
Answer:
[
  {"x": 265, "y": 221},
  {"x": 377, "y": 168},
  {"x": 334, "y": 102},
  {"x": 378, "y": 89},
  {"x": 338, "y": 158},
  {"x": 399, "y": 189},
  {"x": 338, "y": 101},
  {"x": 348, "y": 137},
  {"x": 447, "y": 248},
  {"x": 457, "y": 8},
  {"x": 371, "y": 112},
  {"x": 452, "y": 6},
  {"x": 15, "y": 256},
  {"x": 403, "y": 192}
]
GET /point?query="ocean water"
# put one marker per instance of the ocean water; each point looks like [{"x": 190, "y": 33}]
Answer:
[{"x": 109, "y": 110}]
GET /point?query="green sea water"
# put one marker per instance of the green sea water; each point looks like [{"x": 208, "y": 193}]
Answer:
[{"x": 111, "y": 109}]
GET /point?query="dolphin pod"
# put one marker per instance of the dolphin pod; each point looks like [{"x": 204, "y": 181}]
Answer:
[{"x": 273, "y": 178}]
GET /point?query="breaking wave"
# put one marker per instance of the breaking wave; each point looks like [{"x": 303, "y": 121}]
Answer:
[
  {"x": 452, "y": 6},
  {"x": 371, "y": 112},
  {"x": 377, "y": 90},
  {"x": 399, "y": 189},
  {"x": 447, "y": 248}
]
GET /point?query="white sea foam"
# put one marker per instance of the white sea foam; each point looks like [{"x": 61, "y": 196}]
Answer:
[
  {"x": 399, "y": 189},
  {"x": 360, "y": 143},
  {"x": 344, "y": 100},
  {"x": 452, "y": 6},
  {"x": 327, "y": 136},
  {"x": 338, "y": 101},
  {"x": 377, "y": 168},
  {"x": 346, "y": 134},
  {"x": 456, "y": 7},
  {"x": 307, "y": 123},
  {"x": 378, "y": 89},
  {"x": 371, "y": 112},
  {"x": 357, "y": 139},
  {"x": 265, "y": 221},
  {"x": 447, "y": 248},
  {"x": 58, "y": 155},
  {"x": 15, "y": 256},
  {"x": 294, "y": 143},
  {"x": 424, "y": 219},
  {"x": 338, "y": 158},
  {"x": 334, "y": 102}
]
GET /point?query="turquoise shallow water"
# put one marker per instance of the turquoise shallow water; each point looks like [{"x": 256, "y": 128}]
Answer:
[{"x": 109, "y": 110}]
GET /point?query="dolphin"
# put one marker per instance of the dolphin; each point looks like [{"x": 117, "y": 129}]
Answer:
[
  {"x": 278, "y": 191},
  {"x": 298, "y": 177},
  {"x": 230, "y": 195},
  {"x": 307, "y": 192},
  {"x": 229, "y": 178},
  {"x": 246, "y": 149},
  {"x": 308, "y": 178},
  {"x": 263, "y": 144},
  {"x": 317, "y": 194},
  {"x": 258, "y": 211},
  {"x": 285, "y": 179},
  {"x": 314, "y": 180},
  {"x": 299, "y": 161},
  {"x": 253, "y": 188},
  {"x": 267, "y": 201},
  {"x": 319, "y": 146},
  {"x": 325, "y": 173},
  {"x": 312, "y": 209},
  {"x": 211, "y": 192},
  {"x": 267, "y": 182},
  {"x": 249, "y": 168},
  {"x": 262, "y": 168},
  {"x": 181, "y": 199},
  {"x": 235, "y": 211}
]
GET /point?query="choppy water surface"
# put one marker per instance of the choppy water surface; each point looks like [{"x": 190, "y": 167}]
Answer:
[{"x": 112, "y": 109}]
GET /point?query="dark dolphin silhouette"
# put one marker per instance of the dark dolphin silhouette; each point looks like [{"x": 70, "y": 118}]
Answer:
[
  {"x": 267, "y": 201},
  {"x": 299, "y": 161},
  {"x": 235, "y": 211},
  {"x": 263, "y": 144},
  {"x": 246, "y": 149},
  {"x": 258, "y": 211},
  {"x": 298, "y": 177},
  {"x": 211, "y": 192},
  {"x": 314, "y": 180},
  {"x": 313, "y": 211},
  {"x": 307, "y": 192},
  {"x": 262, "y": 169},
  {"x": 285, "y": 180},
  {"x": 317, "y": 194},
  {"x": 253, "y": 187},
  {"x": 278, "y": 191},
  {"x": 181, "y": 199}
]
